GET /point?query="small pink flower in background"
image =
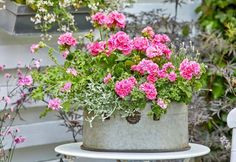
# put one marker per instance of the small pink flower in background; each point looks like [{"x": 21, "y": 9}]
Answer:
[
  {"x": 34, "y": 48},
  {"x": 124, "y": 87},
  {"x": 7, "y": 99},
  {"x": 54, "y": 104},
  {"x": 153, "y": 51},
  {"x": 65, "y": 54},
  {"x": 188, "y": 69},
  {"x": 107, "y": 78},
  {"x": 99, "y": 18},
  {"x": 66, "y": 87},
  {"x": 148, "y": 32},
  {"x": 172, "y": 76},
  {"x": 7, "y": 75},
  {"x": 140, "y": 43},
  {"x": 12, "y": 109},
  {"x": 71, "y": 71},
  {"x": 96, "y": 48},
  {"x": 37, "y": 63},
  {"x": 149, "y": 89},
  {"x": 19, "y": 72},
  {"x": 2, "y": 68},
  {"x": 115, "y": 19},
  {"x": 19, "y": 140},
  {"x": 161, "y": 103},
  {"x": 67, "y": 40},
  {"x": 25, "y": 80}
]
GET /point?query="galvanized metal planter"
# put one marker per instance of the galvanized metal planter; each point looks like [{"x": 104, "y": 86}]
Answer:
[
  {"x": 170, "y": 133},
  {"x": 15, "y": 19}
]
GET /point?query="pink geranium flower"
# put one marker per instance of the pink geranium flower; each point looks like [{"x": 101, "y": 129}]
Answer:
[
  {"x": 153, "y": 51},
  {"x": 115, "y": 19},
  {"x": 151, "y": 78},
  {"x": 54, "y": 104},
  {"x": 120, "y": 41},
  {"x": 149, "y": 89},
  {"x": 160, "y": 38},
  {"x": 96, "y": 48},
  {"x": 148, "y": 32},
  {"x": 67, "y": 40},
  {"x": 172, "y": 76},
  {"x": 140, "y": 43},
  {"x": 188, "y": 69},
  {"x": 124, "y": 87},
  {"x": 146, "y": 66},
  {"x": 99, "y": 18}
]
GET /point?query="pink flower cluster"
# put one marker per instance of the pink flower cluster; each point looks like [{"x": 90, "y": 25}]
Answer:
[
  {"x": 157, "y": 50},
  {"x": 34, "y": 48},
  {"x": 25, "y": 80},
  {"x": 146, "y": 66},
  {"x": 65, "y": 54},
  {"x": 120, "y": 41},
  {"x": 2, "y": 68},
  {"x": 160, "y": 38},
  {"x": 19, "y": 140},
  {"x": 66, "y": 87},
  {"x": 71, "y": 71},
  {"x": 96, "y": 48},
  {"x": 67, "y": 40},
  {"x": 188, "y": 69},
  {"x": 54, "y": 104},
  {"x": 107, "y": 78},
  {"x": 124, "y": 87},
  {"x": 140, "y": 43},
  {"x": 161, "y": 103},
  {"x": 148, "y": 32},
  {"x": 113, "y": 19},
  {"x": 149, "y": 89},
  {"x": 153, "y": 71}
]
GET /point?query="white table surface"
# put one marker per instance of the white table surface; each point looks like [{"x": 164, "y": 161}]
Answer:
[{"x": 73, "y": 149}]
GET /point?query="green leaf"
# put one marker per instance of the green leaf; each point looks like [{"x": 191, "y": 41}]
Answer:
[
  {"x": 45, "y": 112},
  {"x": 66, "y": 106}
]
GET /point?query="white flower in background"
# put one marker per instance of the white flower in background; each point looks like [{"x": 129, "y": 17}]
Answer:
[{"x": 225, "y": 142}]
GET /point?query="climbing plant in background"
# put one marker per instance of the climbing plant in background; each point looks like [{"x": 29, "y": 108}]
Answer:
[
  {"x": 217, "y": 23},
  {"x": 218, "y": 16}
]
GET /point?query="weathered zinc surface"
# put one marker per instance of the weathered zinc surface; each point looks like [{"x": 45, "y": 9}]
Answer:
[{"x": 170, "y": 133}]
